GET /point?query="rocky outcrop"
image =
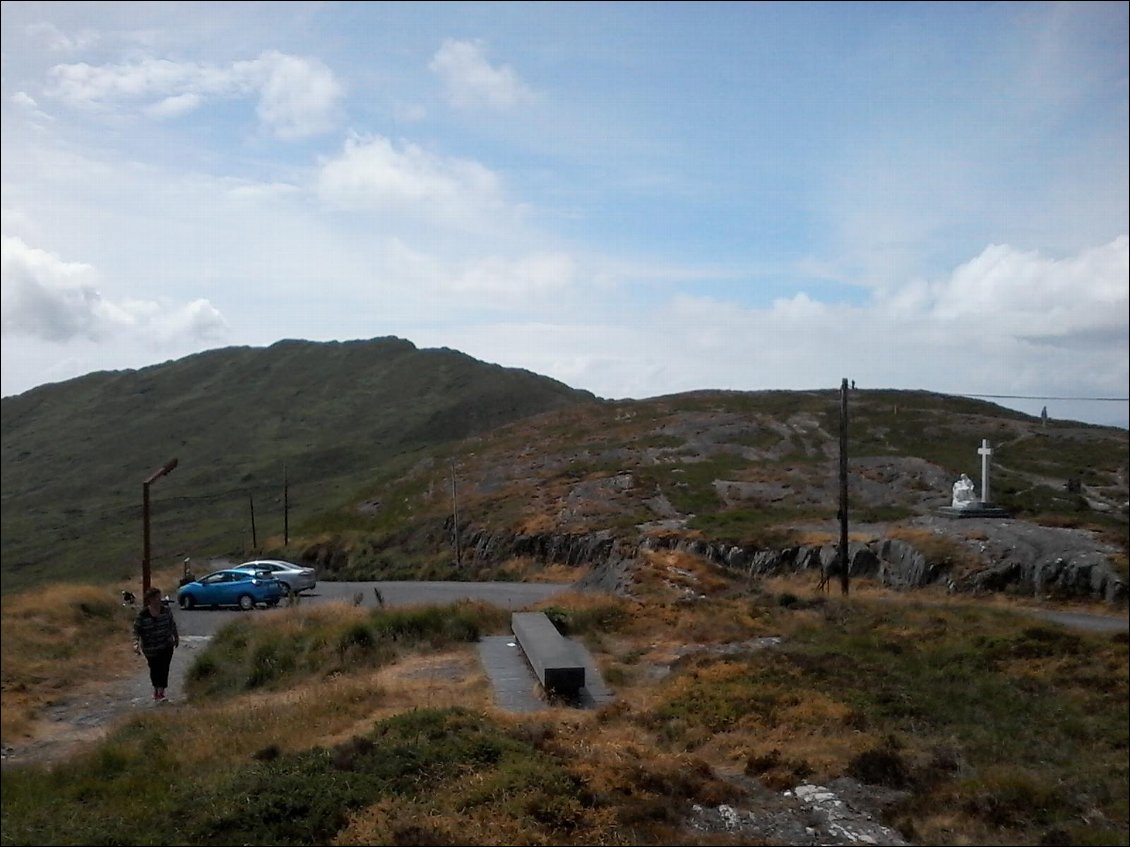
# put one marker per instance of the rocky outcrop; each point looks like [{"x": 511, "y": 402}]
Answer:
[
  {"x": 1081, "y": 577},
  {"x": 1024, "y": 569}
]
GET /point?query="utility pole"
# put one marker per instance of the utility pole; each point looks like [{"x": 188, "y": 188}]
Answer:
[
  {"x": 254, "y": 539},
  {"x": 843, "y": 487},
  {"x": 167, "y": 468},
  {"x": 286, "y": 508},
  {"x": 455, "y": 515}
]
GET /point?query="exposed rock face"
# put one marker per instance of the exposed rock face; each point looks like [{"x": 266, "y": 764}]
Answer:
[{"x": 1015, "y": 557}]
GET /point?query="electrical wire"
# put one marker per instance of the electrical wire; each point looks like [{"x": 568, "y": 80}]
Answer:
[{"x": 1033, "y": 397}]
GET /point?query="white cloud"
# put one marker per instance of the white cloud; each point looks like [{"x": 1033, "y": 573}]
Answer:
[
  {"x": 513, "y": 279},
  {"x": 47, "y": 298},
  {"x": 175, "y": 106},
  {"x": 297, "y": 97},
  {"x": 196, "y": 320},
  {"x": 82, "y": 84},
  {"x": 471, "y": 81},
  {"x": 378, "y": 175},
  {"x": 24, "y": 100},
  {"x": 986, "y": 344},
  {"x": 55, "y": 40},
  {"x": 1005, "y": 291}
]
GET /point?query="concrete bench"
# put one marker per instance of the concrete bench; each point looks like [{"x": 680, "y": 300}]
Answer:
[{"x": 555, "y": 660}]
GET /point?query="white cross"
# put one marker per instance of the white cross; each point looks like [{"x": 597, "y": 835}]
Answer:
[{"x": 985, "y": 451}]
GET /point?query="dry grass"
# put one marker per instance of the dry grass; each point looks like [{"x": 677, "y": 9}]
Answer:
[
  {"x": 688, "y": 715},
  {"x": 58, "y": 638}
]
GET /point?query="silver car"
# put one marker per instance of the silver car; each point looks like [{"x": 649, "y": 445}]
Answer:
[{"x": 296, "y": 578}]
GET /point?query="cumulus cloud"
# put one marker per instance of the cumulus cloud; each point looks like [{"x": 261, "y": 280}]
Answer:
[
  {"x": 472, "y": 82},
  {"x": 47, "y": 298},
  {"x": 1006, "y": 291},
  {"x": 1005, "y": 322},
  {"x": 376, "y": 174},
  {"x": 297, "y": 97}
]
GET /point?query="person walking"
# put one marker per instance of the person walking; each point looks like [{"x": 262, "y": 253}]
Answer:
[{"x": 155, "y": 636}]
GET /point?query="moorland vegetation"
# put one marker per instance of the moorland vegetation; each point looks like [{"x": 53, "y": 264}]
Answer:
[
  {"x": 975, "y": 722},
  {"x": 343, "y": 725}
]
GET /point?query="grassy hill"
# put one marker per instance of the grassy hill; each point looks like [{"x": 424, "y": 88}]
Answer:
[
  {"x": 322, "y": 417},
  {"x": 743, "y": 468},
  {"x": 381, "y": 445}
]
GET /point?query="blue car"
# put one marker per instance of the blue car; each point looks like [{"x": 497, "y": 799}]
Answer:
[{"x": 231, "y": 588}]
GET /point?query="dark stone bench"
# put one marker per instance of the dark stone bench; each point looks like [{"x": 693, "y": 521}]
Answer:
[{"x": 555, "y": 660}]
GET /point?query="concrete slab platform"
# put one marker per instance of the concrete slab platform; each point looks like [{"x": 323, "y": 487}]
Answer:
[{"x": 516, "y": 686}]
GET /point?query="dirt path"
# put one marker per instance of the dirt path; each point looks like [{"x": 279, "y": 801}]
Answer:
[{"x": 90, "y": 711}]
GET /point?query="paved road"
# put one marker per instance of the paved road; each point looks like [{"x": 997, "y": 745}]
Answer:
[{"x": 508, "y": 595}]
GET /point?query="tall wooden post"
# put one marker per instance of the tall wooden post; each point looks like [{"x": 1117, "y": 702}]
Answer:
[
  {"x": 145, "y": 577},
  {"x": 254, "y": 539},
  {"x": 455, "y": 516},
  {"x": 167, "y": 468},
  {"x": 843, "y": 488},
  {"x": 286, "y": 508}
]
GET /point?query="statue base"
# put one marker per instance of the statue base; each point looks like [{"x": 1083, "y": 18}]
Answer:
[{"x": 976, "y": 509}]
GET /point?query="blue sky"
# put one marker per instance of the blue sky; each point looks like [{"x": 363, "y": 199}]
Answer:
[{"x": 634, "y": 198}]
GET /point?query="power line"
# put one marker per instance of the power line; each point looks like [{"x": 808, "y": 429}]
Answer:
[{"x": 1033, "y": 397}]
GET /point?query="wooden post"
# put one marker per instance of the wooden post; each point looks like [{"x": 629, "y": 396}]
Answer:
[
  {"x": 167, "y": 468},
  {"x": 254, "y": 539},
  {"x": 286, "y": 508},
  {"x": 145, "y": 577},
  {"x": 843, "y": 488},
  {"x": 455, "y": 515}
]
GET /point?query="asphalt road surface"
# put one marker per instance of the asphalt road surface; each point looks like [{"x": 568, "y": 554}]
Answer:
[
  {"x": 507, "y": 595},
  {"x": 513, "y": 596}
]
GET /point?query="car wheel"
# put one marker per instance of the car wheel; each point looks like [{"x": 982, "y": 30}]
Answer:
[
  {"x": 246, "y": 602},
  {"x": 187, "y": 601},
  {"x": 287, "y": 590}
]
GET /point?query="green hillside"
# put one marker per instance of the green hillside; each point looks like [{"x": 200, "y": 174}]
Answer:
[{"x": 323, "y": 417}]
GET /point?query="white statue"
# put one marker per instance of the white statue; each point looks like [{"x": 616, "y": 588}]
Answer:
[{"x": 964, "y": 496}]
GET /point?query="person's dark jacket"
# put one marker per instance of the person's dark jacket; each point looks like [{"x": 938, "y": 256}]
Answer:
[{"x": 156, "y": 633}]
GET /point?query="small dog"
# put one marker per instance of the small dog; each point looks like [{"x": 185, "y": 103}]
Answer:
[{"x": 128, "y": 598}]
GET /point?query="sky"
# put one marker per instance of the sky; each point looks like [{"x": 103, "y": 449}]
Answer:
[{"x": 637, "y": 199}]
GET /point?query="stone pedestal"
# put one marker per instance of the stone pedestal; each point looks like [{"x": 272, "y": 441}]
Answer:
[{"x": 976, "y": 509}]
